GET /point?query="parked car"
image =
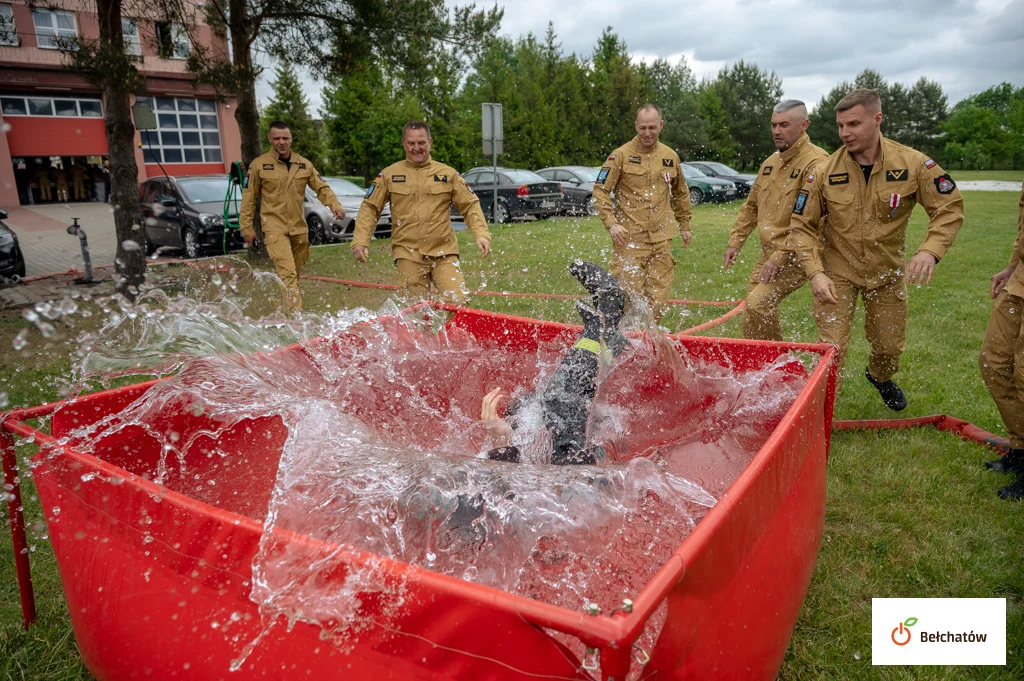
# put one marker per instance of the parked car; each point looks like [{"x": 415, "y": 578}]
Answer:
[
  {"x": 520, "y": 193},
  {"x": 12, "y": 260},
  {"x": 187, "y": 213},
  {"x": 577, "y": 187},
  {"x": 704, "y": 188},
  {"x": 743, "y": 181},
  {"x": 324, "y": 227}
]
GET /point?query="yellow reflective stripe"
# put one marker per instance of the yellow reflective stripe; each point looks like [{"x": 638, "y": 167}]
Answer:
[{"x": 588, "y": 344}]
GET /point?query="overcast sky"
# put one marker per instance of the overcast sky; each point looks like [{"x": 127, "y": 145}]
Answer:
[{"x": 966, "y": 45}]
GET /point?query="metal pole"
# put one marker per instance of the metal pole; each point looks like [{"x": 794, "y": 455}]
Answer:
[
  {"x": 494, "y": 161},
  {"x": 76, "y": 230},
  {"x": 16, "y": 518}
]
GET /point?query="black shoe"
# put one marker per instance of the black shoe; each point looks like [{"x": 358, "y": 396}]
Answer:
[
  {"x": 891, "y": 393},
  {"x": 607, "y": 296},
  {"x": 1013, "y": 462},
  {"x": 1014, "y": 492}
]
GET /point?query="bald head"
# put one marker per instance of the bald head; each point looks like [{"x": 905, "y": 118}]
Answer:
[{"x": 649, "y": 125}]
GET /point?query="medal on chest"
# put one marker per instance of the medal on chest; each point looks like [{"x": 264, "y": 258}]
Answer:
[
  {"x": 668, "y": 178},
  {"x": 894, "y": 203}
]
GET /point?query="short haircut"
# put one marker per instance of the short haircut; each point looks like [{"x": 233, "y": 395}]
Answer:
[
  {"x": 278, "y": 125},
  {"x": 415, "y": 125},
  {"x": 789, "y": 105},
  {"x": 867, "y": 98},
  {"x": 650, "y": 106}
]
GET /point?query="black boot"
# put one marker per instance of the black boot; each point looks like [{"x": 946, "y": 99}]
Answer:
[
  {"x": 890, "y": 392},
  {"x": 1011, "y": 463},
  {"x": 606, "y": 295},
  {"x": 1014, "y": 492}
]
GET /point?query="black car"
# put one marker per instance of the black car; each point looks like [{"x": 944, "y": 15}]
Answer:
[
  {"x": 743, "y": 181},
  {"x": 12, "y": 261},
  {"x": 520, "y": 193},
  {"x": 187, "y": 213},
  {"x": 577, "y": 186}
]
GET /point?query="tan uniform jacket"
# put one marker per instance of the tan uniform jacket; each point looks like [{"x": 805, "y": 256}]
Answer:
[
  {"x": 769, "y": 205},
  {"x": 1015, "y": 285},
  {"x": 282, "y": 189},
  {"x": 421, "y": 195},
  {"x": 864, "y": 225},
  {"x": 651, "y": 195}
]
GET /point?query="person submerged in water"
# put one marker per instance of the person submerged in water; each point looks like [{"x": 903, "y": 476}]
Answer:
[{"x": 566, "y": 399}]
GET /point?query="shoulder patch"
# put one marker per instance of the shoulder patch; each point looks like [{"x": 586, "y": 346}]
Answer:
[
  {"x": 896, "y": 175},
  {"x": 839, "y": 178},
  {"x": 801, "y": 202},
  {"x": 398, "y": 178},
  {"x": 928, "y": 163},
  {"x": 603, "y": 174},
  {"x": 634, "y": 159},
  {"x": 668, "y": 163},
  {"x": 369, "y": 192},
  {"x": 245, "y": 182},
  {"x": 268, "y": 166},
  {"x": 945, "y": 184},
  {"x": 611, "y": 157},
  {"x": 767, "y": 170},
  {"x": 796, "y": 173},
  {"x": 440, "y": 178},
  {"x": 810, "y": 178}
]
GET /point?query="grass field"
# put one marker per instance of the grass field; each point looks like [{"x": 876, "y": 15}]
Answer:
[
  {"x": 909, "y": 514},
  {"x": 1003, "y": 175}
]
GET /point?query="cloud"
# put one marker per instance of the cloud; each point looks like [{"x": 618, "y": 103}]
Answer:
[{"x": 966, "y": 45}]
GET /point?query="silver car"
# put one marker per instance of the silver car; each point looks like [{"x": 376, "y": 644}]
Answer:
[{"x": 324, "y": 228}]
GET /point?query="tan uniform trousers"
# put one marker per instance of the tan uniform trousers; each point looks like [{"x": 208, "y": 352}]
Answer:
[
  {"x": 289, "y": 253},
  {"x": 761, "y": 314},
  {"x": 79, "y": 187},
  {"x": 647, "y": 270},
  {"x": 443, "y": 271},
  {"x": 1002, "y": 363},
  {"x": 62, "y": 190},
  {"x": 885, "y": 323}
]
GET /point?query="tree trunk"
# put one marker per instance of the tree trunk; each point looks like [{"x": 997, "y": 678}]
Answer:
[
  {"x": 124, "y": 173},
  {"x": 247, "y": 114}
]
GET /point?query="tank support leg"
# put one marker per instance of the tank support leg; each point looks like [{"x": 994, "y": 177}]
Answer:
[{"x": 16, "y": 517}]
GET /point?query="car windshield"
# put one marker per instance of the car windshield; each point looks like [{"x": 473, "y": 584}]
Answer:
[
  {"x": 211, "y": 189},
  {"x": 586, "y": 174},
  {"x": 691, "y": 172},
  {"x": 721, "y": 169},
  {"x": 344, "y": 187},
  {"x": 522, "y": 176}
]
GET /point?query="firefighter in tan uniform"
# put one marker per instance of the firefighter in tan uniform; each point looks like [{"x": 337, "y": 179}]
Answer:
[
  {"x": 423, "y": 243},
  {"x": 849, "y": 231},
  {"x": 651, "y": 196},
  {"x": 61, "y": 176},
  {"x": 279, "y": 179},
  {"x": 768, "y": 209},
  {"x": 1002, "y": 359},
  {"x": 78, "y": 172}
]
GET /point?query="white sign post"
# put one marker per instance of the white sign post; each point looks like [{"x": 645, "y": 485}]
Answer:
[{"x": 494, "y": 144}]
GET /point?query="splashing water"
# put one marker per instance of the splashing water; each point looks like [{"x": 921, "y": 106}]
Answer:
[{"x": 359, "y": 432}]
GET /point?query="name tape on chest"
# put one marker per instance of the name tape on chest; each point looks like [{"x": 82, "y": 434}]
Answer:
[
  {"x": 767, "y": 170},
  {"x": 398, "y": 178},
  {"x": 897, "y": 175},
  {"x": 634, "y": 159},
  {"x": 302, "y": 166},
  {"x": 839, "y": 178},
  {"x": 268, "y": 166}
]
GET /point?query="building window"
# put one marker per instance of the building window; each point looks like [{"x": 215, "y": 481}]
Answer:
[
  {"x": 8, "y": 32},
  {"x": 67, "y": 107},
  {"x": 187, "y": 131},
  {"x": 53, "y": 26},
  {"x": 172, "y": 40},
  {"x": 130, "y": 31}
]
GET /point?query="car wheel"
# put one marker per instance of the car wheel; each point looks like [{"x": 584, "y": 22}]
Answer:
[
  {"x": 696, "y": 197},
  {"x": 191, "y": 241},
  {"x": 21, "y": 269},
  {"x": 501, "y": 213},
  {"x": 544, "y": 216},
  {"x": 151, "y": 247},
  {"x": 591, "y": 208},
  {"x": 317, "y": 235}
]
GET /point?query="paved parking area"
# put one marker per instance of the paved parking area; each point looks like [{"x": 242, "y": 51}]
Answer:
[{"x": 42, "y": 231}]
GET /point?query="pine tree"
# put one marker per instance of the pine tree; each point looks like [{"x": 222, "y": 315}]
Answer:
[{"x": 289, "y": 104}]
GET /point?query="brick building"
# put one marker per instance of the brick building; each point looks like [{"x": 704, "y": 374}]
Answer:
[{"x": 52, "y": 118}]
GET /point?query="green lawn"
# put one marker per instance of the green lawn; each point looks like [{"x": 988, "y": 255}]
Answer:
[
  {"x": 910, "y": 514},
  {"x": 972, "y": 175}
]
